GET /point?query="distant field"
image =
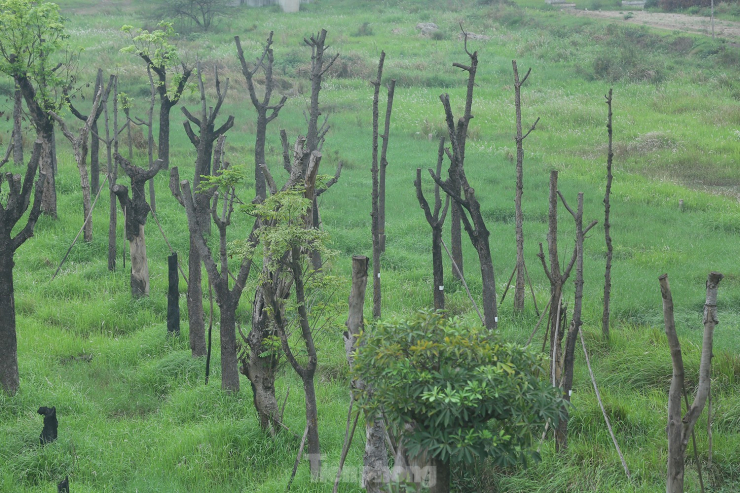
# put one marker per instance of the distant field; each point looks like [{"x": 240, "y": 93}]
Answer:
[{"x": 137, "y": 417}]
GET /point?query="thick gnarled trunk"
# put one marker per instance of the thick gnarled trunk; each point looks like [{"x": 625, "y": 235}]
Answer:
[
  {"x": 9, "y": 381},
  {"x": 139, "y": 265}
]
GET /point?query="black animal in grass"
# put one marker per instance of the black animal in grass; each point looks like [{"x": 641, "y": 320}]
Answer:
[
  {"x": 49, "y": 433},
  {"x": 63, "y": 487}
]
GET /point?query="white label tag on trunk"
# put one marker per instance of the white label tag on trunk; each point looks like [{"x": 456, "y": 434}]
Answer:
[
  {"x": 378, "y": 275},
  {"x": 495, "y": 319},
  {"x": 441, "y": 288}
]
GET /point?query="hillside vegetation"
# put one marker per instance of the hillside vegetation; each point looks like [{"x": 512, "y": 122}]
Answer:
[{"x": 134, "y": 413}]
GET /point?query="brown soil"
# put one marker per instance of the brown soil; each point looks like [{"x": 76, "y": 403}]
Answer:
[{"x": 673, "y": 22}]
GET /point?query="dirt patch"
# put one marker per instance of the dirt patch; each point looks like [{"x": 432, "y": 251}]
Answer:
[{"x": 673, "y": 22}]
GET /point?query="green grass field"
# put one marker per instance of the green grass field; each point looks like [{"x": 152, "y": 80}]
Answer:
[{"x": 134, "y": 412}]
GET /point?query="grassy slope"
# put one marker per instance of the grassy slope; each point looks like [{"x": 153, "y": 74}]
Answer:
[{"x": 137, "y": 417}]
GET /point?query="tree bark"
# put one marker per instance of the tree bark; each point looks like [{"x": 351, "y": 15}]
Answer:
[
  {"x": 9, "y": 379},
  {"x": 520, "y": 136},
  {"x": 196, "y": 320},
  {"x": 17, "y": 129},
  {"x": 18, "y": 194},
  {"x": 607, "y": 225},
  {"x": 681, "y": 427},
  {"x": 173, "y": 296},
  {"x": 139, "y": 265},
  {"x": 375, "y": 212},
  {"x": 229, "y": 363},
  {"x": 375, "y": 473},
  {"x": 261, "y": 364}
]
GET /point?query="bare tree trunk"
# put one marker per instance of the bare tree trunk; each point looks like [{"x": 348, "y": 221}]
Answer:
[
  {"x": 375, "y": 472},
  {"x": 260, "y": 365},
  {"x": 9, "y": 380},
  {"x": 384, "y": 165},
  {"x": 607, "y": 225},
  {"x": 139, "y": 265},
  {"x": 375, "y": 213},
  {"x": 520, "y": 136},
  {"x": 561, "y": 434},
  {"x": 137, "y": 211},
  {"x": 17, "y": 130},
  {"x": 16, "y": 203},
  {"x": 262, "y": 108},
  {"x": 173, "y": 296},
  {"x": 111, "y": 145},
  {"x": 681, "y": 427},
  {"x": 196, "y": 321}
]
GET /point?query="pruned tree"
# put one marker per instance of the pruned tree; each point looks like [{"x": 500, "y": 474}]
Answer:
[
  {"x": 378, "y": 180},
  {"x": 474, "y": 225},
  {"x": 561, "y": 433},
  {"x": 436, "y": 220},
  {"x": 520, "y": 136},
  {"x": 607, "y": 224},
  {"x": 136, "y": 210},
  {"x": 149, "y": 124},
  {"x": 218, "y": 268},
  {"x": 162, "y": 57},
  {"x": 16, "y": 199},
  {"x": 315, "y": 134},
  {"x": 32, "y": 52},
  {"x": 681, "y": 426},
  {"x": 557, "y": 278},
  {"x": 80, "y": 148},
  {"x": 111, "y": 147},
  {"x": 263, "y": 107},
  {"x": 203, "y": 142},
  {"x": 462, "y": 136},
  {"x": 94, "y": 141}
]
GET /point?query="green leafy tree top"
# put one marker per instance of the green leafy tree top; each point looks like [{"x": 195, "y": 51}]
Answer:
[
  {"x": 158, "y": 50},
  {"x": 468, "y": 394},
  {"x": 33, "y": 46}
]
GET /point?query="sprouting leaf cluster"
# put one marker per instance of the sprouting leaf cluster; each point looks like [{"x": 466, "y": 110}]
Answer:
[
  {"x": 155, "y": 45},
  {"x": 34, "y": 44},
  {"x": 467, "y": 393}
]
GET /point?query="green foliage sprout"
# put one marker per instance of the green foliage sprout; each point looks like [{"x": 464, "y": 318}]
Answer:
[
  {"x": 468, "y": 394},
  {"x": 33, "y": 44}
]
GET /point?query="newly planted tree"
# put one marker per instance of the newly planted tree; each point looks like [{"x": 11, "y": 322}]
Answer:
[
  {"x": 607, "y": 224},
  {"x": 16, "y": 194},
  {"x": 159, "y": 54},
  {"x": 459, "y": 392}
]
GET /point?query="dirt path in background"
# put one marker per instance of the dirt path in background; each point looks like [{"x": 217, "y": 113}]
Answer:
[{"x": 674, "y": 22}]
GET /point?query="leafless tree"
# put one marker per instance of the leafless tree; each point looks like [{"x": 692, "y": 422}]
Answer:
[
  {"x": 561, "y": 433},
  {"x": 681, "y": 426},
  {"x": 263, "y": 107},
  {"x": 79, "y": 147},
  {"x": 13, "y": 209},
  {"x": 136, "y": 210},
  {"x": 436, "y": 220},
  {"x": 474, "y": 225},
  {"x": 607, "y": 224},
  {"x": 203, "y": 142},
  {"x": 378, "y": 180},
  {"x": 520, "y": 136}
]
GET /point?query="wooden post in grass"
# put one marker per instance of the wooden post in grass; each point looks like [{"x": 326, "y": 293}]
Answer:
[
  {"x": 680, "y": 427},
  {"x": 173, "y": 296}
]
